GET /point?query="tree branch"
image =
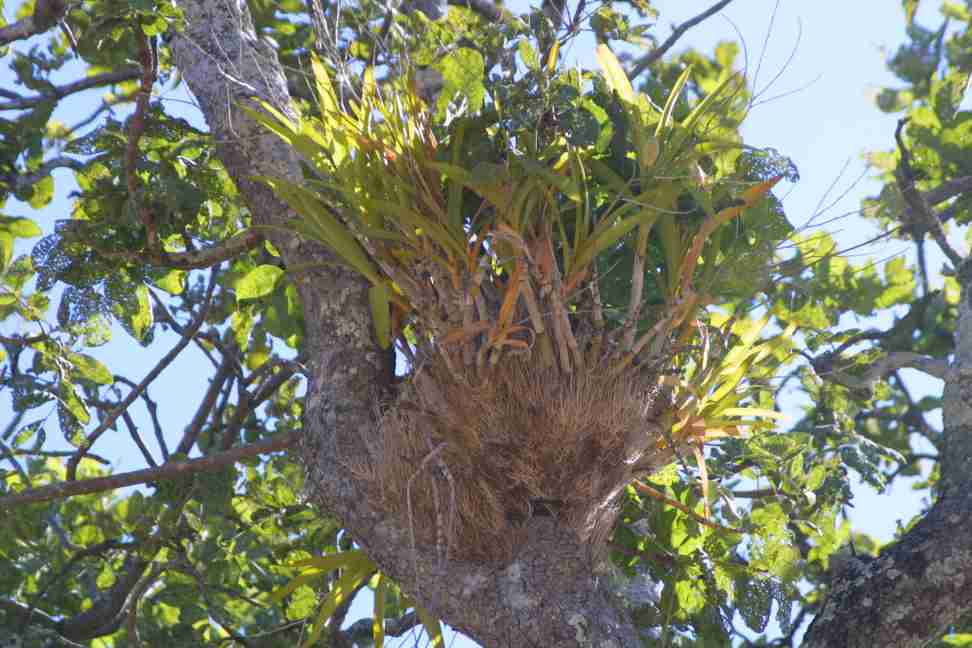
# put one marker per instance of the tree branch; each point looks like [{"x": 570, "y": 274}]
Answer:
[
  {"x": 193, "y": 259},
  {"x": 205, "y": 407},
  {"x": 361, "y": 630},
  {"x": 188, "y": 335},
  {"x": 46, "y": 14},
  {"x": 244, "y": 409},
  {"x": 153, "y": 410},
  {"x": 948, "y": 189},
  {"x": 910, "y": 594},
  {"x": 485, "y": 8},
  {"x": 24, "y": 615},
  {"x": 22, "y": 181},
  {"x": 137, "y": 438},
  {"x": 919, "y": 208},
  {"x": 136, "y": 126},
  {"x": 660, "y": 51},
  {"x": 919, "y": 585},
  {"x": 50, "y": 453},
  {"x": 170, "y": 470},
  {"x": 880, "y": 368},
  {"x": 59, "y": 92}
]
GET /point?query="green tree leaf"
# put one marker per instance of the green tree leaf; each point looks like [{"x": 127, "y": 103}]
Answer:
[
  {"x": 258, "y": 282},
  {"x": 91, "y": 369},
  {"x": 463, "y": 76}
]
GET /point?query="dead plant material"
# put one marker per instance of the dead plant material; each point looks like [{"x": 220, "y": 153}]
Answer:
[{"x": 512, "y": 442}]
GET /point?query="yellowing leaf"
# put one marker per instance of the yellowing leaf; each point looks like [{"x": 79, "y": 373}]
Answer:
[
  {"x": 318, "y": 566},
  {"x": 666, "y": 118},
  {"x": 752, "y": 411},
  {"x": 614, "y": 74},
  {"x": 378, "y": 615},
  {"x": 432, "y": 627},
  {"x": 552, "y": 56},
  {"x": 91, "y": 369},
  {"x": 345, "y": 587},
  {"x": 258, "y": 282},
  {"x": 73, "y": 403},
  {"x": 172, "y": 282}
]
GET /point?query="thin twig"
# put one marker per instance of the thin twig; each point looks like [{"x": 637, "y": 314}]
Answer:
[
  {"x": 46, "y": 14},
  {"x": 676, "y": 34},
  {"x": 170, "y": 470},
  {"x": 880, "y": 368},
  {"x": 926, "y": 218},
  {"x": 59, "y": 92},
  {"x": 205, "y": 408},
  {"x": 153, "y": 410},
  {"x": 24, "y": 180},
  {"x": 661, "y": 497},
  {"x": 190, "y": 333},
  {"x": 136, "y": 437}
]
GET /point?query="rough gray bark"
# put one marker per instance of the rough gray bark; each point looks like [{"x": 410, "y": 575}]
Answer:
[
  {"x": 909, "y": 595},
  {"x": 550, "y": 594}
]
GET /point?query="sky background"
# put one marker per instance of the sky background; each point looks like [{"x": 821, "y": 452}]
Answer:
[{"x": 822, "y": 117}]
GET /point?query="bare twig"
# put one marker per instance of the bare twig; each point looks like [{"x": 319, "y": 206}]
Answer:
[
  {"x": 153, "y": 410},
  {"x": 137, "y": 438},
  {"x": 171, "y": 470},
  {"x": 249, "y": 402},
  {"x": 205, "y": 408},
  {"x": 948, "y": 189},
  {"x": 757, "y": 493},
  {"x": 661, "y": 50},
  {"x": 14, "y": 452},
  {"x": 189, "y": 334}
]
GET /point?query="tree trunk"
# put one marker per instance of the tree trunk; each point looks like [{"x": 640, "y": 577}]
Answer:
[
  {"x": 550, "y": 593},
  {"x": 909, "y": 595}
]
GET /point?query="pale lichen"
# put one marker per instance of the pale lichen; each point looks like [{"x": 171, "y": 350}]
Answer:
[
  {"x": 513, "y": 589},
  {"x": 578, "y": 622}
]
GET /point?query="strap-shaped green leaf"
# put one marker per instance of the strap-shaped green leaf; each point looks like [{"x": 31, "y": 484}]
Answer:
[
  {"x": 614, "y": 73},
  {"x": 378, "y": 296},
  {"x": 378, "y": 615},
  {"x": 324, "y": 227},
  {"x": 341, "y": 590}
]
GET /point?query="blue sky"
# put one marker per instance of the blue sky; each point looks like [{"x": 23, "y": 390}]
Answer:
[{"x": 824, "y": 120}]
